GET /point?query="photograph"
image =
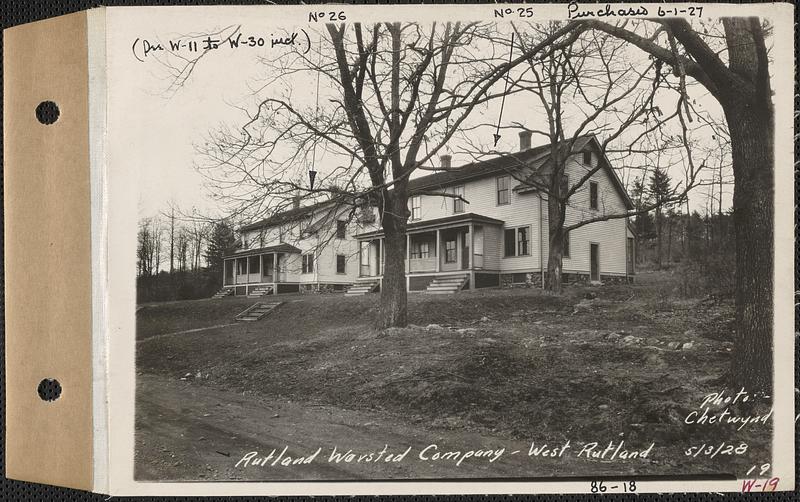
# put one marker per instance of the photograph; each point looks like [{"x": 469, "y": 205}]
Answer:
[{"x": 418, "y": 248}]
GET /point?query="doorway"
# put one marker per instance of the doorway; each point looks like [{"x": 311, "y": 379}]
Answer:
[{"x": 594, "y": 273}]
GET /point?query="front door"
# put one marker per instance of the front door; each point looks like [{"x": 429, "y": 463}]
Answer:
[{"x": 595, "y": 262}]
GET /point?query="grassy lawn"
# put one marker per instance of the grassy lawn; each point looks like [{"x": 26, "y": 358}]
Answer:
[{"x": 510, "y": 363}]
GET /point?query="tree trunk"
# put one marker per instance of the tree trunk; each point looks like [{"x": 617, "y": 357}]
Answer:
[
  {"x": 658, "y": 239},
  {"x": 752, "y": 140},
  {"x": 555, "y": 224},
  {"x": 394, "y": 299}
]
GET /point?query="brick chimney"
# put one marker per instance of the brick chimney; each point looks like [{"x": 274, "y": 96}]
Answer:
[
  {"x": 524, "y": 140},
  {"x": 446, "y": 161}
]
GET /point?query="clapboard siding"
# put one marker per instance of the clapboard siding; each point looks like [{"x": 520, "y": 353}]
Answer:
[
  {"x": 481, "y": 197},
  {"x": 610, "y": 235}
]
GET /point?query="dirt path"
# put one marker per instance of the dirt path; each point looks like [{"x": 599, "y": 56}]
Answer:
[{"x": 188, "y": 430}]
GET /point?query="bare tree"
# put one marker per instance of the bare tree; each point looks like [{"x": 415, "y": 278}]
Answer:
[
  {"x": 586, "y": 87},
  {"x": 394, "y": 95},
  {"x": 731, "y": 60}
]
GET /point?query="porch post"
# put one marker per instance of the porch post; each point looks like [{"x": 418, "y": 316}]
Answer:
[
  {"x": 408, "y": 253},
  {"x": 360, "y": 257},
  {"x": 408, "y": 261},
  {"x": 381, "y": 255},
  {"x": 438, "y": 256},
  {"x": 275, "y": 273},
  {"x": 471, "y": 255}
]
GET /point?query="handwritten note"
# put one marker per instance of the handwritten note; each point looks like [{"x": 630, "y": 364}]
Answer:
[{"x": 142, "y": 48}]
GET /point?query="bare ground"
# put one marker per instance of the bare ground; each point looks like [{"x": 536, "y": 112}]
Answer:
[{"x": 488, "y": 368}]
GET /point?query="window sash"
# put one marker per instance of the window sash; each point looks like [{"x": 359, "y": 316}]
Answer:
[
  {"x": 458, "y": 204},
  {"x": 565, "y": 245},
  {"x": 509, "y": 240},
  {"x": 502, "y": 190},
  {"x": 416, "y": 207},
  {"x": 341, "y": 229},
  {"x": 593, "y": 195},
  {"x": 450, "y": 254},
  {"x": 341, "y": 264},
  {"x": 308, "y": 264},
  {"x": 523, "y": 241}
]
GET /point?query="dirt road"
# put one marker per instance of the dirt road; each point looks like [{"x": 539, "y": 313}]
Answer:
[{"x": 187, "y": 430}]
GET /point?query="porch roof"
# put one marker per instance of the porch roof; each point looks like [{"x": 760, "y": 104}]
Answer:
[
  {"x": 438, "y": 223},
  {"x": 280, "y": 248}
]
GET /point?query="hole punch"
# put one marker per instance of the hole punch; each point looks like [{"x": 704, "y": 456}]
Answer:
[
  {"x": 47, "y": 112},
  {"x": 49, "y": 389}
]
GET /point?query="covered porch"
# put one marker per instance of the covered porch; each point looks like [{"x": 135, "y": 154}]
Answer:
[
  {"x": 443, "y": 245},
  {"x": 262, "y": 267}
]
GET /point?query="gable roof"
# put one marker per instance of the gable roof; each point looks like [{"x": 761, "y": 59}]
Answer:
[
  {"x": 287, "y": 216},
  {"x": 506, "y": 163},
  {"x": 545, "y": 170},
  {"x": 475, "y": 170}
]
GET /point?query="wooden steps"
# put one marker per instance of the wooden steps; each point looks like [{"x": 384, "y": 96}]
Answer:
[
  {"x": 257, "y": 311},
  {"x": 222, "y": 293},
  {"x": 360, "y": 288},
  {"x": 260, "y": 291},
  {"x": 447, "y": 284}
]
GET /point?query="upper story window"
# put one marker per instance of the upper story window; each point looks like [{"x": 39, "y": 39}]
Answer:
[
  {"x": 458, "y": 203},
  {"x": 587, "y": 157},
  {"x": 593, "y": 196},
  {"x": 308, "y": 263},
  {"x": 341, "y": 229},
  {"x": 502, "y": 190},
  {"x": 281, "y": 235},
  {"x": 416, "y": 207}
]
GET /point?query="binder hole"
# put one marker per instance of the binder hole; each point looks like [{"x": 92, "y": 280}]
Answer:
[
  {"x": 49, "y": 389},
  {"x": 47, "y": 112}
]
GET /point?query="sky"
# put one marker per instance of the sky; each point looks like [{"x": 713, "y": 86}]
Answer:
[{"x": 163, "y": 128}]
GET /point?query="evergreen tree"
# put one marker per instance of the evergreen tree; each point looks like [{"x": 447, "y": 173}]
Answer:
[{"x": 221, "y": 241}]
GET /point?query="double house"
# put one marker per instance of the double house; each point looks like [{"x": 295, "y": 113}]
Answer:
[{"x": 471, "y": 227}]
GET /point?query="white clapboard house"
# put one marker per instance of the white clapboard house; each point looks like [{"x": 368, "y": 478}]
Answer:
[{"x": 495, "y": 237}]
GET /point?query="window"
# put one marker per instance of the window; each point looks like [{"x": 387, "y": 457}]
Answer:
[
  {"x": 502, "y": 190},
  {"x": 592, "y": 195},
  {"x": 458, "y": 204},
  {"x": 522, "y": 241},
  {"x": 450, "y": 253},
  {"x": 241, "y": 266},
  {"x": 281, "y": 235},
  {"x": 516, "y": 242},
  {"x": 308, "y": 263},
  {"x": 565, "y": 246},
  {"x": 420, "y": 250},
  {"x": 341, "y": 264},
  {"x": 587, "y": 158},
  {"x": 509, "y": 239},
  {"x": 564, "y": 184},
  {"x": 255, "y": 265},
  {"x": 416, "y": 207},
  {"x": 341, "y": 229}
]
